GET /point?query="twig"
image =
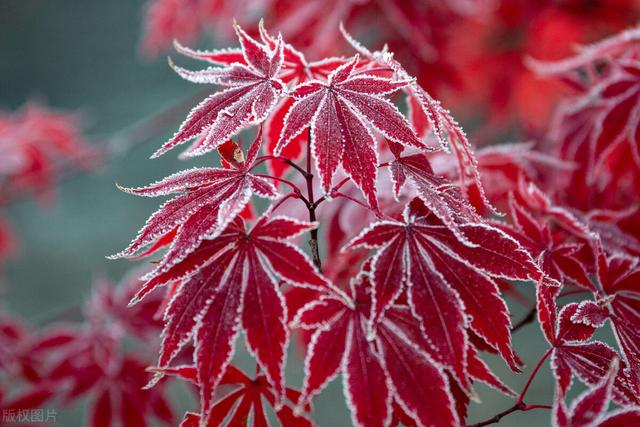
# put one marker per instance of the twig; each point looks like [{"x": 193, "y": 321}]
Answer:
[
  {"x": 263, "y": 159},
  {"x": 529, "y": 318},
  {"x": 313, "y": 241},
  {"x": 519, "y": 405}
]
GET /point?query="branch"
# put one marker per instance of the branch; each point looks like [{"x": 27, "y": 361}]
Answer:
[
  {"x": 519, "y": 405},
  {"x": 516, "y": 407},
  {"x": 529, "y": 318},
  {"x": 313, "y": 241}
]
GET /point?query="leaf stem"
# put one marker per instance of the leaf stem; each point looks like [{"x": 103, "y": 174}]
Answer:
[
  {"x": 291, "y": 163},
  {"x": 519, "y": 405},
  {"x": 516, "y": 407},
  {"x": 533, "y": 374},
  {"x": 313, "y": 241},
  {"x": 293, "y": 186},
  {"x": 529, "y": 318}
]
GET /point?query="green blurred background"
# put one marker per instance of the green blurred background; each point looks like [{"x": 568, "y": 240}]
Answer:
[{"x": 83, "y": 55}]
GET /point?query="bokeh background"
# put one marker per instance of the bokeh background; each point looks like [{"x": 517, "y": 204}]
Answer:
[{"x": 84, "y": 55}]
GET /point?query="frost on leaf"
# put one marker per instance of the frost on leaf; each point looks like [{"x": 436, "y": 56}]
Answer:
[
  {"x": 340, "y": 113},
  {"x": 253, "y": 89},
  {"x": 236, "y": 289},
  {"x": 374, "y": 373},
  {"x": 447, "y": 282},
  {"x": 209, "y": 199}
]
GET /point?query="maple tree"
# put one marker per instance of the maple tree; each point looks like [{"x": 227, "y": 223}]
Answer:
[
  {"x": 352, "y": 217},
  {"x": 424, "y": 297}
]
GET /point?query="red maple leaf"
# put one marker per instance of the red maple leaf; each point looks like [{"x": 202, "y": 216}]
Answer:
[
  {"x": 211, "y": 198},
  {"x": 253, "y": 90},
  {"x": 373, "y": 375},
  {"x": 86, "y": 361},
  {"x": 233, "y": 288},
  {"x": 34, "y": 141},
  {"x": 295, "y": 69},
  {"x": 243, "y": 397},
  {"x": 558, "y": 258},
  {"x": 339, "y": 113},
  {"x": 573, "y": 354},
  {"x": 437, "y": 270},
  {"x": 589, "y": 409},
  {"x": 619, "y": 301},
  {"x": 426, "y": 113}
]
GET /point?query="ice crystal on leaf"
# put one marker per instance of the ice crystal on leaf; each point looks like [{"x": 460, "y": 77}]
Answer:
[
  {"x": 447, "y": 281},
  {"x": 339, "y": 114},
  {"x": 236, "y": 288},
  {"x": 211, "y": 198},
  {"x": 253, "y": 89}
]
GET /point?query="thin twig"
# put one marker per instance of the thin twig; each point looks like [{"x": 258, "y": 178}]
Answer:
[
  {"x": 529, "y": 318},
  {"x": 263, "y": 159},
  {"x": 313, "y": 241},
  {"x": 519, "y": 405}
]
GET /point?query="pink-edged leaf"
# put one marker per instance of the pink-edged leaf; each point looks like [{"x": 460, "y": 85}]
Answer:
[
  {"x": 216, "y": 332},
  {"x": 219, "y": 57},
  {"x": 291, "y": 264},
  {"x": 489, "y": 314},
  {"x": 388, "y": 275},
  {"x": 360, "y": 159},
  {"x": 204, "y": 210},
  {"x": 253, "y": 92},
  {"x": 440, "y": 312},
  {"x": 481, "y": 372},
  {"x": 324, "y": 357},
  {"x": 593, "y": 403},
  {"x": 590, "y": 362},
  {"x": 339, "y": 113},
  {"x": 281, "y": 227},
  {"x": 546, "y": 309},
  {"x": 419, "y": 385},
  {"x": 189, "y": 302},
  {"x": 590, "y": 313},
  {"x": 263, "y": 319},
  {"x": 365, "y": 384}
]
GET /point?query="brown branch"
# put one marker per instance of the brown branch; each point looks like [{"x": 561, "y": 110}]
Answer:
[
  {"x": 529, "y": 318},
  {"x": 516, "y": 407},
  {"x": 313, "y": 241},
  {"x": 519, "y": 405}
]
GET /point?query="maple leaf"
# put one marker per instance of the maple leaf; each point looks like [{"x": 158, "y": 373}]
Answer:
[
  {"x": 589, "y": 409},
  {"x": 33, "y": 142},
  {"x": 447, "y": 282},
  {"x": 573, "y": 354},
  {"x": 436, "y": 192},
  {"x": 211, "y": 198},
  {"x": 424, "y": 109},
  {"x": 559, "y": 259},
  {"x": 86, "y": 361},
  {"x": 252, "y": 92},
  {"x": 619, "y": 279},
  {"x": 243, "y": 398},
  {"x": 235, "y": 288},
  {"x": 372, "y": 377},
  {"x": 339, "y": 113}
]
